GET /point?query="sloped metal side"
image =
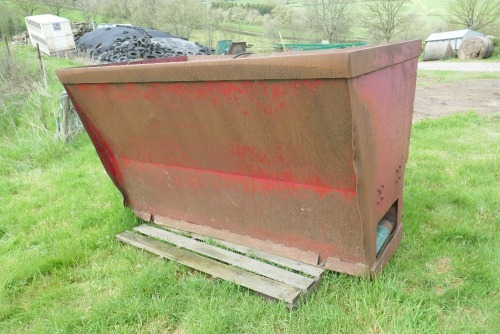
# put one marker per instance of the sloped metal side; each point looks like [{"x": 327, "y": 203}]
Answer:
[
  {"x": 289, "y": 160},
  {"x": 382, "y": 110},
  {"x": 269, "y": 160}
]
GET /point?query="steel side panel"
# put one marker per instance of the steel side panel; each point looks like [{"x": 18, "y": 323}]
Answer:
[
  {"x": 382, "y": 109},
  {"x": 295, "y": 131},
  {"x": 269, "y": 160},
  {"x": 305, "y": 151},
  {"x": 296, "y": 216}
]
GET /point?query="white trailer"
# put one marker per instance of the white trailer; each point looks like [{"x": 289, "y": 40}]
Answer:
[{"x": 52, "y": 33}]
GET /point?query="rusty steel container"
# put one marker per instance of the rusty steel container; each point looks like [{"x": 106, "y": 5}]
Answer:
[{"x": 298, "y": 154}]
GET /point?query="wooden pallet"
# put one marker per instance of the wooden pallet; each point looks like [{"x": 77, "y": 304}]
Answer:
[{"x": 272, "y": 276}]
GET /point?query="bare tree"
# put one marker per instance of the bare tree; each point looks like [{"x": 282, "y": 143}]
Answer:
[
  {"x": 55, "y": 6},
  {"x": 254, "y": 17},
  {"x": 182, "y": 17},
  {"x": 286, "y": 19},
  {"x": 118, "y": 11},
  {"x": 474, "y": 14},
  {"x": 283, "y": 14},
  {"x": 89, "y": 9},
  {"x": 331, "y": 18},
  {"x": 386, "y": 19},
  {"x": 144, "y": 12},
  {"x": 27, "y": 7},
  {"x": 237, "y": 14},
  {"x": 214, "y": 18},
  {"x": 271, "y": 28},
  {"x": 7, "y": 25}
]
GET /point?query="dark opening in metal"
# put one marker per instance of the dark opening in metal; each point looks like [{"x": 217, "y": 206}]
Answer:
[{"x": 386, "y": 226}]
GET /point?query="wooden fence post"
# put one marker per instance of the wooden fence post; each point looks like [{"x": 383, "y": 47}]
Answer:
[
  {"x": 65, "y": 118},
  {"x": 44, "y": 75}
]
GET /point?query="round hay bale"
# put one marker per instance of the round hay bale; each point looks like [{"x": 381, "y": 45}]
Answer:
[{"x": 475, "y": 48}]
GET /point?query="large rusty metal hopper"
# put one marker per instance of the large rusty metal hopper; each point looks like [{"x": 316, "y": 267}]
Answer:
[{"x": 298, "y": 154}]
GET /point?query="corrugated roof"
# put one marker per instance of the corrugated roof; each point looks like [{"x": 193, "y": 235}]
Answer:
[
  {"x": 46, "y": 18},
  {"x": 440, "y": 36}
]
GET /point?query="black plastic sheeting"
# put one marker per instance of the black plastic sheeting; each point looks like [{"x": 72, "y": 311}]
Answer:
[{"x": 125, "y": 43}]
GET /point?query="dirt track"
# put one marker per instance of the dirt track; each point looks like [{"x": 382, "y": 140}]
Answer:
[
  {"x": 481, "y": 96},
  {"x": 460, "y": 66}
]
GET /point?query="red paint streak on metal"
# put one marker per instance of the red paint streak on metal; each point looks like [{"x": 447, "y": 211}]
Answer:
[
  {"x": 84, "y": 88},
  {"x": 152, "y": 91},
  {"x": 268, "y": 163},
  {"x": 227, "y": 88},
  {"x": 255, "y": 163},
  {"x": 249, "y": 153},
  {"x": 267, "y": 96},
  {"x": 130, "y": 92},
  {"x": 155, "y": 91},
  {"x": 264, "y": 184},
  {"x": 312, "y": 84},
  {"x": 104, "y": 151},
  {"x": 278, "y": 91}
]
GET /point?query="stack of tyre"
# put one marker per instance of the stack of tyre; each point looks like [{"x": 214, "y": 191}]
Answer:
[{"x": 125, "y": 43}]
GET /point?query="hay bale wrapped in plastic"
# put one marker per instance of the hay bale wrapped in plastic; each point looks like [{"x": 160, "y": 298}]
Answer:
[{"x": 475, "y": 48}]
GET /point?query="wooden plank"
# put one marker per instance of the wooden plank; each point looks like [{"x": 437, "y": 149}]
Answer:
[
  {"x": 244, "y": 262},
  {"x": 305, "y": 268},
  {"x": 263, "y": 285}
]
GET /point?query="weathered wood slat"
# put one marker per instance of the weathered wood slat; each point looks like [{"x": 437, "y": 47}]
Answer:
[
  {"x": 305, "y": 268},
  {"x": 263, "y": 285},
  {"x": 244, "y": 262}
]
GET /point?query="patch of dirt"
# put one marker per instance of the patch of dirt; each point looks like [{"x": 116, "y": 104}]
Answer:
[
  {"x": 439, "y": 266},
  {"x": 481, "y": 96}
]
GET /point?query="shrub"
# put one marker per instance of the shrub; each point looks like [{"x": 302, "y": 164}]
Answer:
[{"x": 18, "y": 80}]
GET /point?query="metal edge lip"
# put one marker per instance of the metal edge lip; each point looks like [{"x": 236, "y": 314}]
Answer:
[{"x": 332, "y": 64}]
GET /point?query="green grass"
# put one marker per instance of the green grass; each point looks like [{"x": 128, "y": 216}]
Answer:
[
  {"x": 494, "y": 58},
  {"x": 34, "y": 113},
  {"x": 62, "y": 271},
  {"x": 428, "y": 77}
]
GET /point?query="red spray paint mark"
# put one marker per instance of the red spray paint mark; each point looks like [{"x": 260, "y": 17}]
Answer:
[
  {"x": 103, "y": 149},
  {"x": 253, "y": 184},
  {"x": 250, "y": 154}
]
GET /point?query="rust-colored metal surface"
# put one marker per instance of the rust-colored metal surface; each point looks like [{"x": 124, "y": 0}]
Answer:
[{"x": 301, "y": 155}]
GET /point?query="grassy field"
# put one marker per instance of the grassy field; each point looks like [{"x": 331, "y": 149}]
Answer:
[
  {"x": 429, "y": 78},
  {"x": 62, "y": 271}
]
